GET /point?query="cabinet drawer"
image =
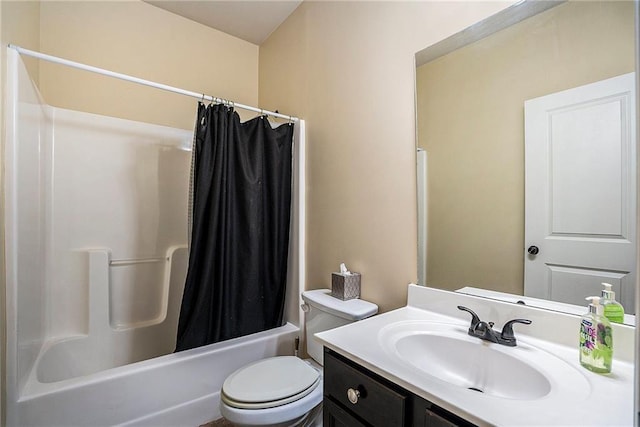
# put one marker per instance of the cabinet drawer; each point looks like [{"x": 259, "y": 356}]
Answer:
[
  {"x": 334, "y": 416},
  {"x": 377, "y": 404}
]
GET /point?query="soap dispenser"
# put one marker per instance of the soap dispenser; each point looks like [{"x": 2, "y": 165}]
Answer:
[
  {"x": 613, "y": 310},
  {"x": 596, "y": 341}
]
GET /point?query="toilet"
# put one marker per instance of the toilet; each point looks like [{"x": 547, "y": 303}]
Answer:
[{"x": 287, "y": 390}]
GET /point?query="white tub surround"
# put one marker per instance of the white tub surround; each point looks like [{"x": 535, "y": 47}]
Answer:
[
  {"x": 96, "y": 258},
  {"x": 574, "y": 392}
]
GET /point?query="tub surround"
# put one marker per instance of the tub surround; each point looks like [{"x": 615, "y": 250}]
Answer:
[
  {"x": 96, "y": 213},
  {"x": 572, "y": 397}
]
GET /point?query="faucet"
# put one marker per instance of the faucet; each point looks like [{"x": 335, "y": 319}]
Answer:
[{"x": 485, "y": 331}]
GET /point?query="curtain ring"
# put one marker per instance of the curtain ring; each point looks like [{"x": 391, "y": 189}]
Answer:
[
  {"x": 290, "y": 120},
  {"x": 261, "y": 113},
  {"x": 202, "y": 120}
]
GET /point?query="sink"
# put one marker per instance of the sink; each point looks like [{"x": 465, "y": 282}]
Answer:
[
  {"x": 473, "y": 365},
  {"x": 445, "y": 351}
]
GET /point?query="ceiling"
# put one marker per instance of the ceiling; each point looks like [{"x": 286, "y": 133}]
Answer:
[{"x": 249, "y": 20}]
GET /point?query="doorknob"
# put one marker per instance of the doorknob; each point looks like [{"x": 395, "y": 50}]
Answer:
[{"x": 533, "y": 250}]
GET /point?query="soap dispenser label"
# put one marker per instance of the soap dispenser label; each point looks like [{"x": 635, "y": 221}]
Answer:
[
  {"x": 588, "y": 336},
  {"x": 593, "y": 338}
]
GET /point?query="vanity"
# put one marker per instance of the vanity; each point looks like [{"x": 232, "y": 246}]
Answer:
[
  {"x": 418, "y": 366},
  {"x": 374, "y": 399}
]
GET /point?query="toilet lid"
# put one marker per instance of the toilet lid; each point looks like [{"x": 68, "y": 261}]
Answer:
[{"x": 281, "y": 379}]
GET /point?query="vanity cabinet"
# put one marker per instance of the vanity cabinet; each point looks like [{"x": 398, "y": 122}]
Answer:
[{"x": 355, "y": 396}]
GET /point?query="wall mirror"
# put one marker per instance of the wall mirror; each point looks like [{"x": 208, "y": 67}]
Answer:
[{"x": 487, "y": 95}]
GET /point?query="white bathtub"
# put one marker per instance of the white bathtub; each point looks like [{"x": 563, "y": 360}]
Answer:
[
  {"x": 125, "y": 374},
  {"x": 179, "y": 389}
]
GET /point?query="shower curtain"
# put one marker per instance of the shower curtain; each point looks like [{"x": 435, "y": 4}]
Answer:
[{"x": 240, "y": 233}]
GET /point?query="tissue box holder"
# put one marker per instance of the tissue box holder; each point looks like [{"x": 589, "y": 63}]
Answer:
[{"x": 345, "y": 286}]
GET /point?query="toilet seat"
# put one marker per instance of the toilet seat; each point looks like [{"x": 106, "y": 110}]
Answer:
[
  {"x": 289, "y": 414},
  {"x": 269, "y": 404},
  {"x": 269, "y": 383}
]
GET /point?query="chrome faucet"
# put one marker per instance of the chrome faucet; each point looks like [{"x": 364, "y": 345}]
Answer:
[{"x": 485, "y": 331}]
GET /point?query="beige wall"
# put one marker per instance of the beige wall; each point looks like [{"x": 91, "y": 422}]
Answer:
[
  {"x": 135, "y": 38},
  {"x": 471, "y": 122},
  {"x": 348, "y": 69},
  {"x": 21, "y": 25}
]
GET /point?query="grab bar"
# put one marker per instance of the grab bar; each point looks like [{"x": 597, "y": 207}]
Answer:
[{"x": 130, "y": 261}]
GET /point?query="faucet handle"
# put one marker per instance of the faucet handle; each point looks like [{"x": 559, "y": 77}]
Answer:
[
  {"x": 507, "y": 329},
  {"x": 474, "y": 317}
]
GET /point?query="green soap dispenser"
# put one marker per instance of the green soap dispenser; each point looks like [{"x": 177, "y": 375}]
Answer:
[
  {"x": 596, "y": 340},
  {"x": 613, "y": 310}
]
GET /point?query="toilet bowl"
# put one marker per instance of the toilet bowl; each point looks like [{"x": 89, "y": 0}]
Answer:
[{"x": 286, "y": 390}]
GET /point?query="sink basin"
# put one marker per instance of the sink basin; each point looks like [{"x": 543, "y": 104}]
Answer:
[
  {"x": 445, "y": 351},
  {"x": 473, "y": 365}
]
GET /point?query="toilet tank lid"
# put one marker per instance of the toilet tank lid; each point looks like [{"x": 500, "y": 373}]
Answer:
[{"x": 352, "y": 309}]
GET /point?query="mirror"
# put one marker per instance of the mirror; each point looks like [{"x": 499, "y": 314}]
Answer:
[{"x": 470, "y": 94}]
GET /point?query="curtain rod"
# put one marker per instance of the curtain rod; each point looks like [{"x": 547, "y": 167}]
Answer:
[{"x": 128, "y": 78}]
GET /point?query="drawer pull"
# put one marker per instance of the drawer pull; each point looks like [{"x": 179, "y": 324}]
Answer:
[{"x": 353, "y": 395}]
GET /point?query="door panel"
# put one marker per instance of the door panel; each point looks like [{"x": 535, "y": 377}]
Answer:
[
  {"x": 588, "y": 178},
  {"x": 564, "y": 281},
  {"x": 580, "y": 186}
]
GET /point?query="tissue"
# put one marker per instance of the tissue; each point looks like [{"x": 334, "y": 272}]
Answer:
[
  {"x": 343, "y": 269},
  {"x": 345, "y": 285}
]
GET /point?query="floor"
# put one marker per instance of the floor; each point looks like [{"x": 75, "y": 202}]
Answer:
[
  {"x": 313, "y": 419},
  {"x": 218, "y": 423}
]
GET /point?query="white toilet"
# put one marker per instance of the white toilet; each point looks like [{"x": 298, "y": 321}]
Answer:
[{"x": 286, "y": 390}]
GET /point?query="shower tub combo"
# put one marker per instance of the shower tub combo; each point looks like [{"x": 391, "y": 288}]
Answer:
[{"x": 95, "y": 224}]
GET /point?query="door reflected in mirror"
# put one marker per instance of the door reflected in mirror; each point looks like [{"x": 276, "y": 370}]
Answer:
[{"x": 474, "y": 204}]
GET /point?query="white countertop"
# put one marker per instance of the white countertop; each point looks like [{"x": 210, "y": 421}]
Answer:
[{"x": 605, "y": 400}]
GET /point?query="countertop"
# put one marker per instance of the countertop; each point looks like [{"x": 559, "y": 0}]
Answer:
[{"x": 605, "y": 400}]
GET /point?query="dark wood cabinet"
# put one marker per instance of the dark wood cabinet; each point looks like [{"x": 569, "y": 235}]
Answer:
[
  {"x": 335, "y": 416},
  {"x": 355, "y": 396}
]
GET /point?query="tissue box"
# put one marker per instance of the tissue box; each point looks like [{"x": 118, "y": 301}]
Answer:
[{"x": 345, "y": 286}]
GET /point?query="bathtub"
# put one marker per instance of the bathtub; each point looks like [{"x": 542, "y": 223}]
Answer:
[
  {"x": 179, "y": 389},
  {"x": 124, "y": 372}
]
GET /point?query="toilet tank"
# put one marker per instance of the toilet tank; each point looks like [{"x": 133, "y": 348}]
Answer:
[{"x": 324, "y": 312}]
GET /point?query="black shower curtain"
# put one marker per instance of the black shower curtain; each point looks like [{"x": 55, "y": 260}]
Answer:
[{"x": 240, "y": 237}]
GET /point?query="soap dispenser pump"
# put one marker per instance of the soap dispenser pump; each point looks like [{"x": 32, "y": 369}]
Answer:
[
  {"x": 613, "y": 310},
  {"x": 596, "y": 340}
]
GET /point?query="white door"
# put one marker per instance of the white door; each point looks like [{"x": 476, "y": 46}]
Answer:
[{"x": 580, "y": 192}]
